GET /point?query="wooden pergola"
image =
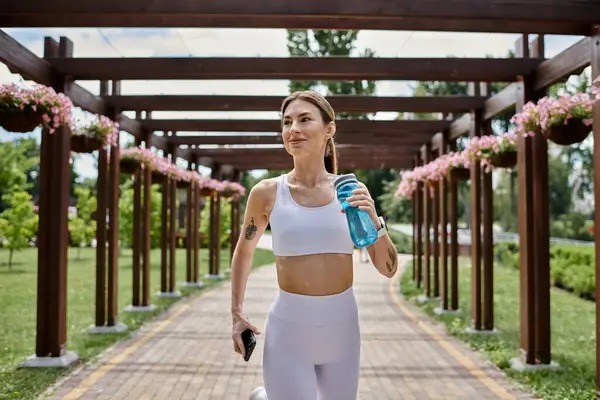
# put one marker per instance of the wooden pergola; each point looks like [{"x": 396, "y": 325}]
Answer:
[{"x": 363, "y": 144}]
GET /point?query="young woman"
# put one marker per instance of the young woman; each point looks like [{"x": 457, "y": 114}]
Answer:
[{"x": 312, "y": 340}]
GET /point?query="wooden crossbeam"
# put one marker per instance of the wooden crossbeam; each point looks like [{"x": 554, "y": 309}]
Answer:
[
  {"x": 300, "y": 68},
  {"x": 343, "y": 138},
  {"x": 274, "y": 126},
  {"x": 549, "y": 16},
  {"x": 424, "y": 104}
]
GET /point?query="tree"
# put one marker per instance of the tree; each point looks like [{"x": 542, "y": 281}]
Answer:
[
  {"x": 82, "y": 227},
  {"x": 334, "y": 43},
  {"x": 17, "y": 159},
  {"x": 18, "y": 223},
  {"x": 126, "y": 215}
]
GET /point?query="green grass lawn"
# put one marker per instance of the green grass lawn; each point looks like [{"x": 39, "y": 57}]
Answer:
[
  {"x": 572, "y": 334},
  {"x": 18, "y": 310}
]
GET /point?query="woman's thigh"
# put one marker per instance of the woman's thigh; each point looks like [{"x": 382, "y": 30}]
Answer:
[{"x": 286, "y": 373}]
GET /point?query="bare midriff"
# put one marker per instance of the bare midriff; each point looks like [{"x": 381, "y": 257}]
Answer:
[{"x": 315, "y": 274}]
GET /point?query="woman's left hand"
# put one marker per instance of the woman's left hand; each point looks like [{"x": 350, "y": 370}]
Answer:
[{"x": 362, "y": 199}]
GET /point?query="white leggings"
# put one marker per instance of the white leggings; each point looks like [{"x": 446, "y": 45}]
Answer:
[{"x": 312, "y": 347}]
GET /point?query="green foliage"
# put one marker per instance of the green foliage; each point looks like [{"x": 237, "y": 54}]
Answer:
[
  {"x": 402, "y": 242},
  {"x": 18, "y": 223},
  {"x": 126, "y": 215},
  {"x": 82, "y": 227},
  {"x": 571, "y": 267},
  {"x": 225, "y": 224},
  {"x": 396, "y": 209},
  {"x": 17, "y": 159}
]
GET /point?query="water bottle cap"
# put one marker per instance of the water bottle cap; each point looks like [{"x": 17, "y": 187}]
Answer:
[{"x": 340, "y": 180}]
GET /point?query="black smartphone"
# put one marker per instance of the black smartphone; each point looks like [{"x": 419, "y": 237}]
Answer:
[{"x": 249, "y": 341}]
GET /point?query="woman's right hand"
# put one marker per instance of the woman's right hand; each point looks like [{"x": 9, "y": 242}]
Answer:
[{"x": 240, "y": 324}]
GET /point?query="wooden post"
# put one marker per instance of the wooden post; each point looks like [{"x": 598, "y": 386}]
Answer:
[
  {"x": 164, "y": 232},
  {"x": 51, "y": 335},
  {"x": 112, "y": 302},
  {"x": 147, "y": 135},
  {"x": 101, "y": 208},
  {"x": 595, "y": 64},
  {"x": 419, "y": 222},
  {"x": 172, "y": 228},
  {"x": 488, "y": 252},
  {"x": 136, "y": 239},
  {"x": 414, "y": 230},
  {"x": 196, "y": 235},
  {"x": 426, "y": 156},
  {"x": 443, "y": 207},
  {"x": 476, "y": 129},
  {"x": 189, "y": 227},
  {"x": 534, "y": 242},
  {"x": 215, "y": 228},
  {"x": 235, "y": 215},
  {"x": 435, "y": 222}
]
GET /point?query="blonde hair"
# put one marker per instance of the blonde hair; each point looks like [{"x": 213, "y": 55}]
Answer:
[{"x": 328, "y": 115}]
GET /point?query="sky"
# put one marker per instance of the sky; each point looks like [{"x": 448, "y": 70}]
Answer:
[{"x": 146, "y": 42}]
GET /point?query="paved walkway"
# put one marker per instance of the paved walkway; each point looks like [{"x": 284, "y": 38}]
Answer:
[{"x": 187, "y": 354}]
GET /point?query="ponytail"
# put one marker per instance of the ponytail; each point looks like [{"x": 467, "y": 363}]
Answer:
[{"x": 330, "y": 157}]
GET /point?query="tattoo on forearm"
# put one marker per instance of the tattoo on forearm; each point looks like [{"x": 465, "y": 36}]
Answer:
[
  {"x": 250, "y": 231},
  {"x": 390, "y": 264}
]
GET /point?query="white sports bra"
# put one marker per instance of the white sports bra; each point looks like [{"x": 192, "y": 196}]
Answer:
[{"x": 299, "y": 230}]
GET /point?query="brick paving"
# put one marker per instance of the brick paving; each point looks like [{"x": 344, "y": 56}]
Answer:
[{"x": 187, "y": 354}]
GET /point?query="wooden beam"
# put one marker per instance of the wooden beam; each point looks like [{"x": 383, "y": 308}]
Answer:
[
  {"x": 345, "y": 138},
  {"x": 461, "y": 126},
  {"x": 299, "y": 68},
  {"x": 550, "y": 16},
  {"x": 449, "y": 104},
  {"x": 342, "y": 164},
  {"x": 274, "y": 126},
  {"x": 571, "y": 61}
]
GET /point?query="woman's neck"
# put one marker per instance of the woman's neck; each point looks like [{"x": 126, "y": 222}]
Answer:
[{"x": 309, "y": 172}]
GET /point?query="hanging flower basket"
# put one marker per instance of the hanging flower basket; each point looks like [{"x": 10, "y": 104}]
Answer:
[
  {"x": 207, "y": 192},
  {"x": 85, "y": 144},
  {"x": 460, "y": 174},
  {"x": 506, "y": 159},
  {"x": 129, "y": 166},
  {"x": 22, "y": 109},
  {"x": 20, "y": 121},
  {"x": 574, "y": 131},
  {"x": 157, "y": 177}
]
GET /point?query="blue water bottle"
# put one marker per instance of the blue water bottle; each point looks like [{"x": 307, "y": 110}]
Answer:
[{"x": 362, "y": 228}]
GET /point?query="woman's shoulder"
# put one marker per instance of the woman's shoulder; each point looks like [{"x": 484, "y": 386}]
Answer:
[{"x": 265, "y": 190}]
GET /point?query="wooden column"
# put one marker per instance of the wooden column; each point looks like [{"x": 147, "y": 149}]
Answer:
[
  {"x": 488, "y": 244},
  {"x": 435, "y": 245},
  {"x": 595, "y": 64},
  {"x": 146, "y": 211},
  {"x": 164, "y": 232},
  {"x": 136, "y": 237},
  {"x": 414, "y": 229},
  {"x": 189, "y": 227},
  {"x": 419, "y": 223},
  {"x": 475, "y": 178},
  {"x": 426, "y": 156},
  {"x": 235, "y": 214},
  {"x": 172, "y": 227},
  {"x": 215, "y": 228},
  {"x": 112, "y": 303},
  {"x": 51, "y": 334},
  {"x": 101, "y": 214},
  {"x": 453, "y": 219},
  {"x": 443, "y": 247},
  {"x": 196, "y": 233},
  {"x": 534, "y": 242}
]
